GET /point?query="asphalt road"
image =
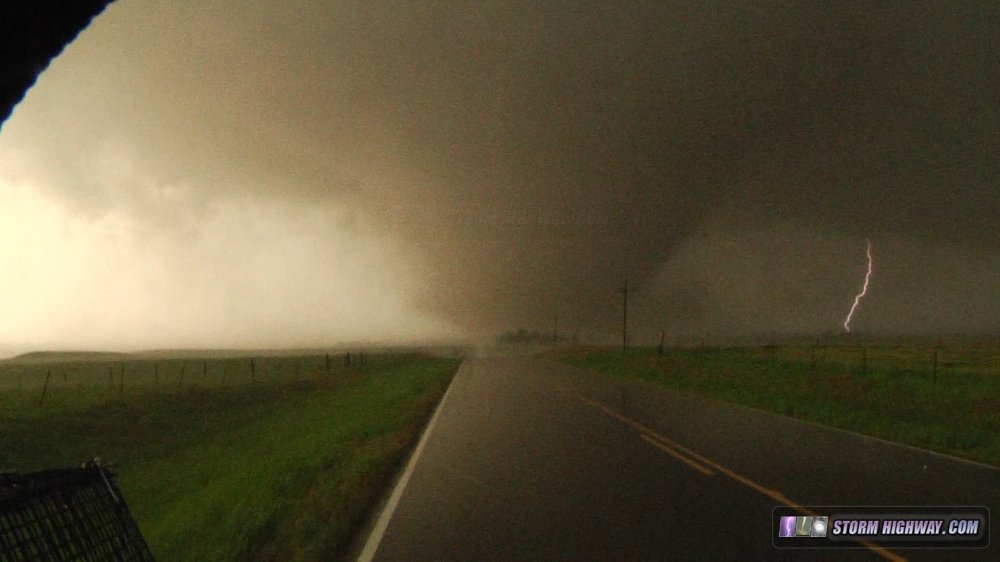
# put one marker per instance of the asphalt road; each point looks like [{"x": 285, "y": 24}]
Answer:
[{"x": 534, "y": 460}]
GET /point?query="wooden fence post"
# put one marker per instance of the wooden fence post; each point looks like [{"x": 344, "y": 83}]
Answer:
[{"x": 45, "y": 388}]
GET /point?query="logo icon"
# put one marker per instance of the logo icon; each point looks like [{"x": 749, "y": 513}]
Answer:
[
  {"x": 818, "y": 528},
  {"x": 787, "y": 526},
  {"x": 802, "y": 526}
]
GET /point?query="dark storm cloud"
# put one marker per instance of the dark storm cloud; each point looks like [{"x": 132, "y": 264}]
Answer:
[
  {"x": 866, "y": 120},
  {"x": 533, "y": 155}
]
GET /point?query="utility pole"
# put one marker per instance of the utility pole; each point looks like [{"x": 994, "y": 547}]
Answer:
[{"x": 624, "y": 291}]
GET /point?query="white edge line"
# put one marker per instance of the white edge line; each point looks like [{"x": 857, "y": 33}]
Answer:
[
  {"x": 375, "y": 538},
  {"x": 863, "y": 436},
  {"x": 705, "y": 397}
]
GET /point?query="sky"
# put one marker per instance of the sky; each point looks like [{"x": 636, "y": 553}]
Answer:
[{"x": 280, "y": 174}]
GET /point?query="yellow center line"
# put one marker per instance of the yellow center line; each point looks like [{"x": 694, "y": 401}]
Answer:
[
  {"x": 678, "y": 456},
  {"x": 672, "y": 447}
]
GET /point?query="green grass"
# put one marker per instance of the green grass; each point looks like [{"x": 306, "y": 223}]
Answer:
[
  {"x": 284, "y": 467},
  {"x": 888, "y": 391}
]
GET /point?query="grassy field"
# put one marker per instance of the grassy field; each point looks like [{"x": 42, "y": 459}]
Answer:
[
  {"x": 216, "y": 467},
  {"x": 945, "y": 398}
]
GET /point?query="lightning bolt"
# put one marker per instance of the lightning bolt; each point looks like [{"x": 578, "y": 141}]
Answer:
[
  {"x": 864, "y": 289},
  {"x": 789, "y": 525}
]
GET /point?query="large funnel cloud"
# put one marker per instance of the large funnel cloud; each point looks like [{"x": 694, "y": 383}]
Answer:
[
  {"x": 572, "y": 146},
  {"x": 533, "y": 155}
]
